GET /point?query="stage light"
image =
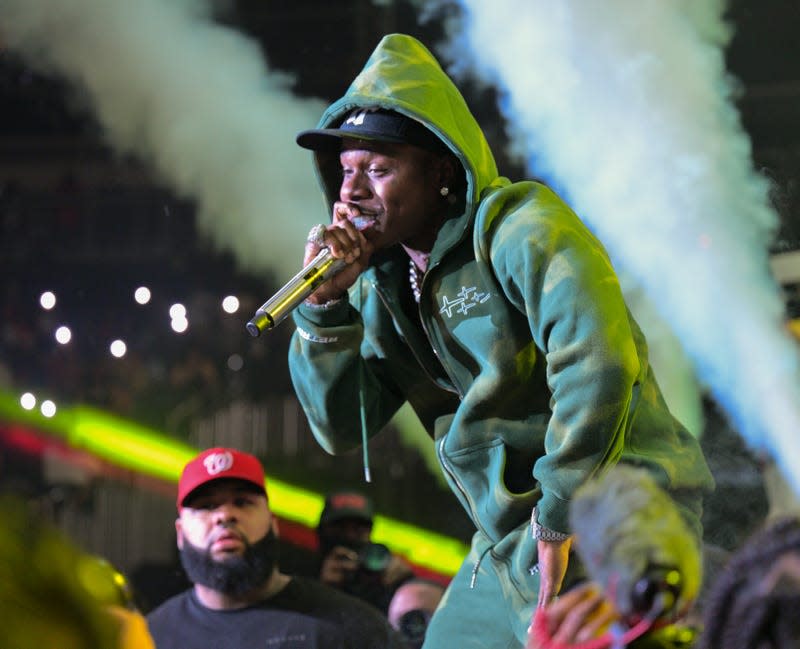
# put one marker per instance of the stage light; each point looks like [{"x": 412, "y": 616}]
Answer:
[
  {"x": 179, "y": 325},
  {"x": 28, "y": 401},
  {"x": 48, "y": 408},
  {"x": 142, "y": 295},
  {"x": 118, "y": 348},
  {"x": 47, "y": 300},
  {"x": 177, "y": 311},
  {"x": 63, "y": 335},
  {"x": 230, "y": 304}
]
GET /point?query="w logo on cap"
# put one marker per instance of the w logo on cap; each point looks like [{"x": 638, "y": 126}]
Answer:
[{"x": 218, "y": 462}]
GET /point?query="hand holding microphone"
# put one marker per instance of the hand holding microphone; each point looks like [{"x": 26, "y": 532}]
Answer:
[
  {"x": 345, "y": 241},
  {"x": 329, "y": 251}
]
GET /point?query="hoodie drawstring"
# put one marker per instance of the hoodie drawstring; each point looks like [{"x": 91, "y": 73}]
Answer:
[
  {"x": 476, "y": 567},
  {"x": 362, "y": 409}
]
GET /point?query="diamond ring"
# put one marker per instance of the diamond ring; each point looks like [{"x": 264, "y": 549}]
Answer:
[{"x": 317, "y": 235}]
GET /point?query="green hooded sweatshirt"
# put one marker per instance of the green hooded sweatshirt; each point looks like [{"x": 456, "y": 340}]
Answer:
[{"x": 528, "y": 370}]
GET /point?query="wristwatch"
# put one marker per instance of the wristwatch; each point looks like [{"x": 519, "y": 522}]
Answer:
[{"x": 541, "y": 533}]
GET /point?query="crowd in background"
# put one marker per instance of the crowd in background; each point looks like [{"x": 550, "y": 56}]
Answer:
[{"x": 92, "y": 247}]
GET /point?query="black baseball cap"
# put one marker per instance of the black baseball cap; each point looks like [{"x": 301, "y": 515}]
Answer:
[
  {"x": 346, "y": 505},
  {"x": 372, "y": 123}
]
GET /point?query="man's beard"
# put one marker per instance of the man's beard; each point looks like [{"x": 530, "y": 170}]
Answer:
[{"x": 237, "y": 575}]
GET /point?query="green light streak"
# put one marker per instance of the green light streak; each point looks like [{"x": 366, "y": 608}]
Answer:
[{"x": 132, "y": 446}]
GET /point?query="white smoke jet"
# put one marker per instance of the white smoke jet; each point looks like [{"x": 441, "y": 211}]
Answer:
[
  {"x": 196, "y": 101},
  {"x": 626, "y": 107}
]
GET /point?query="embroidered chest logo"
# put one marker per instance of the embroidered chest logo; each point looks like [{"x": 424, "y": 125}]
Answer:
[
  {"x": 218, "y": 462},
  {"x": 466, "y": 298}
]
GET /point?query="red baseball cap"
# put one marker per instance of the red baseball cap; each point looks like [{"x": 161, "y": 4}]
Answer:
[{"x": 216, "y": 464}]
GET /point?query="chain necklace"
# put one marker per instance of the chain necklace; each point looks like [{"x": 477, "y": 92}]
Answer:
[{"x": 415, "y": 279}]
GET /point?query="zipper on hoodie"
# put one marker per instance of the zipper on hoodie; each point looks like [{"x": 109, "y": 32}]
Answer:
[
  {"x": 387, "y": 303},
  {"x": 364, "y": 437},
  {"x": 443, "y": 461},
  {"x": 435, "y": 349}
]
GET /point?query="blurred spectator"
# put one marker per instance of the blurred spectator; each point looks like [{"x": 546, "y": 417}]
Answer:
[
  {"x": 781, "y": 495},
  {"x": 714, "y": 558},
  {"x": 412, "y": 607},
  {"x": 349, "y": 560},
  {"x": 113, "y": 589},
  {"x": 227, "y": 537},
  {"x": 754, "y": 602},
  {"x": 53, "y": 595}
]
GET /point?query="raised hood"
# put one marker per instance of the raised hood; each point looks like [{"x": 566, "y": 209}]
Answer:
[{"x": 402, "y": 75}]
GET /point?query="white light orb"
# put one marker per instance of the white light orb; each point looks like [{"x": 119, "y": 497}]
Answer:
[
  {"x": 142, "y": 295},
  {"x": 177, "y": 311},
  {"x": 48, "y": 408},
  {"x": 63, "y": 335},
  {"x": 179, "y": 325},
  {"x": 47, "y": 300},
  {"x": 28, "y": 401},
  {"x": 230, "y": 304},
  {"x": 118, "y": 348}
]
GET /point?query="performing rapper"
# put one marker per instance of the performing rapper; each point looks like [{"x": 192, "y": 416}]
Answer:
[{"x": 491, "y": 308}]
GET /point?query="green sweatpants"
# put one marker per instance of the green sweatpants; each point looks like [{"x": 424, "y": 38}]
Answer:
[
  {"x": 492, "y": 608},
  {"x": 491, "y": 600}
]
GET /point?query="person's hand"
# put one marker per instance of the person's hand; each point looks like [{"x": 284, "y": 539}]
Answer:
[
  {"x": 396, "y": 571},
  {"x": 345, "y": 242},
  {"x": 579, "y": 615},
  {"x": 338, "y": 566},
  {"x": 553, "y": 560}
]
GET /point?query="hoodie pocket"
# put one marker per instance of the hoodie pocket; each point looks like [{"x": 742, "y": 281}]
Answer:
[{"x": 479, "y": 475}]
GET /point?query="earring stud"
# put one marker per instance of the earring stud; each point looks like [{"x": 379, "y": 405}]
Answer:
[{"x": 444, "y": 191}]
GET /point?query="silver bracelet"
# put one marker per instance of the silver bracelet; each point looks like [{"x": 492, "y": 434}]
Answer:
[
  {"x": 541, "y": 533},
  {"x": 324, "y": 306}
]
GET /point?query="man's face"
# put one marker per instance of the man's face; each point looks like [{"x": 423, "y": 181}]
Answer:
[
  {"x": 352, "y": 533},
  {"x": 222, "y": 518},
  {"x": 397, "y": 187},
  {"x": 228, "y": 538}
]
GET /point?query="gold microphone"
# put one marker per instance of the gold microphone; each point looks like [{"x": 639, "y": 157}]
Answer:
[{"x": 274, "y": 311}]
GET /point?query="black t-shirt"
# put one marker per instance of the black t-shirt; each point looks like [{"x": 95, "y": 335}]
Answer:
[{"x": 304, "y": 615}]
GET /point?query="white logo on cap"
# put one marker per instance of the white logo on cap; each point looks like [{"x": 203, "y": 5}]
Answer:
[
  {"x": 357, "y": 118},
  {"x": 218, "y": 462}
]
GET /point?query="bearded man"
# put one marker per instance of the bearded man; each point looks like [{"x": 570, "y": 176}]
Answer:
[{"x": 228, "y": 540}]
